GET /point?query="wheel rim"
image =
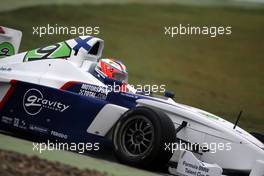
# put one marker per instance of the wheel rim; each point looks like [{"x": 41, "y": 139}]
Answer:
[{"x": 137, "y": 136}]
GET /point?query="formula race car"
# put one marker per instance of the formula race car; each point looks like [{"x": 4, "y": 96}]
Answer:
[{"x": 62, "y": 92}]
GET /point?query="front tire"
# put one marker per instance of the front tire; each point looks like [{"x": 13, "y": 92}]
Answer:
[{"x": 139, "y": 138}]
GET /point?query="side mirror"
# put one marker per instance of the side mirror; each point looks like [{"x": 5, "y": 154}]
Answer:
[{"x": 169, "y": 94}]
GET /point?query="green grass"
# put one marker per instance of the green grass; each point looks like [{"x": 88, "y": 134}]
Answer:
[
  {"x": 222, "y": 75},
  {"x": 69, "y": 158},
  {"x": 15, "y": 4}
]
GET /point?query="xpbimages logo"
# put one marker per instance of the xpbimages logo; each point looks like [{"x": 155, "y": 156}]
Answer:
[{"x": 34, "y": 102}]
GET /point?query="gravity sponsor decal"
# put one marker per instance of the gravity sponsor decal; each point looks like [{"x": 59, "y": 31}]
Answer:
[
  {"x": 34, "y": 102},
  {"x": 57, "y": 51},
  {"x": 6, "y": 49}
]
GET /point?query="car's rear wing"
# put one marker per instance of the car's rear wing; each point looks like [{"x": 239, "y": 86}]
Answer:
[{"x": 9, "y": 41}]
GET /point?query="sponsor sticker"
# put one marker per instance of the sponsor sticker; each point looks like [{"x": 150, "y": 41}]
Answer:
[
  {"x": 7, "y": 120},
  {"x": 4, "y": 69},
  {"x": 56, "y": 51},
  {"x": 19, "y": 123},
  {"x": 58, "y": 134},
  {"x": 34, "y": 101},
  {"x": 94, "y": 91},
  {"x": 38, "y": 128},
  {"x": 6, "y": 49},
  {"x": 16, "y": 122}
]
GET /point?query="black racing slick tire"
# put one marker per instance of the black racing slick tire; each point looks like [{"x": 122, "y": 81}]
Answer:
[{"x": 140, "y": 136}]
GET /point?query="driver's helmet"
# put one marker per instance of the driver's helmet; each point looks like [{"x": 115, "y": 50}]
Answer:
[{"x": 113, "y": 69}]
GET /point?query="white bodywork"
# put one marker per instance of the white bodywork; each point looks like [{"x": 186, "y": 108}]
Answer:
[
  {"x": 241, "y": 150},
  {"x": 188, "y": 164}
]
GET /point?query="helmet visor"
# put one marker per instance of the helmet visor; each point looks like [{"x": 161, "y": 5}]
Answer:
[{"x": 120, "y": 76}]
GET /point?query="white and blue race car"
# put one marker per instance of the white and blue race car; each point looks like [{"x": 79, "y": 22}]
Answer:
[{"x": 52, "y": 92}]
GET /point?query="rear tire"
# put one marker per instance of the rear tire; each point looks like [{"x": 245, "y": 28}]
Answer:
[{"x": 139, "y": 138}]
